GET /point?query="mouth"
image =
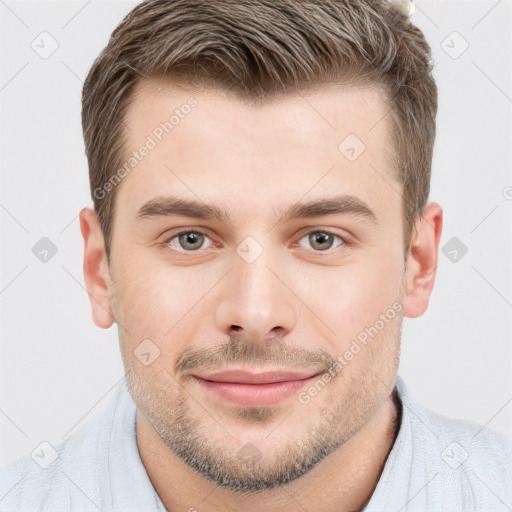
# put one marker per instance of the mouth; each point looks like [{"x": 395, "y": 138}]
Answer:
[{"x": 246, "y": 387}]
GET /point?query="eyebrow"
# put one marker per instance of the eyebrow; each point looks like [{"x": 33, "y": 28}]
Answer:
[{"x": 164, "y": 206}]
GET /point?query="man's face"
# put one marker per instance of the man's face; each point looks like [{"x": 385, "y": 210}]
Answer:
[{"x": 258, "y": 290}]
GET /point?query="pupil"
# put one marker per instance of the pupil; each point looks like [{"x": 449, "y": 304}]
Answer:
[
  {"x": 321, "y": 238},
  {"x": 190, "y": 238}
]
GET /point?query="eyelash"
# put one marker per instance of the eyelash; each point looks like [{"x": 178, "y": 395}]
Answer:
[{"x": 345, "y": 242}]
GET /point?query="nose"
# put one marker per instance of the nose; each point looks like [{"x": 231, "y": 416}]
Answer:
[{"x": 254, "y": 304}]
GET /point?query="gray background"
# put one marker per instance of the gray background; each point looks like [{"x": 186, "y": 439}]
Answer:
[{"x": 58, "y": 370}]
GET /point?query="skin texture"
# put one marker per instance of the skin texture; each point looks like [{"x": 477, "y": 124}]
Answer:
[{"x": 299, "y": 304}]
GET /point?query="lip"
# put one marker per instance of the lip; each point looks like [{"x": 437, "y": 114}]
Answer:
[
  {"x": 241, "y": 376},
  {"x": 247, "y": 388}
]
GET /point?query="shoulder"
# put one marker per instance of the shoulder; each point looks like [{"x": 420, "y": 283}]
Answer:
[
  {"x": 478, "y": 447},
  {"x": 61, "y": 476},
  {"x": 475, "y": 441},
  {"x": 464, "y": 457}
]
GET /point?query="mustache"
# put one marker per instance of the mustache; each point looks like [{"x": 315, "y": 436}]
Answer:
[{"x": 237, "y": 352}]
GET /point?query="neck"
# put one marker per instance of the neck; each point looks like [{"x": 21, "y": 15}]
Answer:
[{"x": 343, "y": 481}]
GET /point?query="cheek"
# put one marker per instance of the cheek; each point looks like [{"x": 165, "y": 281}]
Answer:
[
  {"x": 139, "y": 292},
  {"x": 155, "y": 301},
  {"x": 352, "y": 297}
]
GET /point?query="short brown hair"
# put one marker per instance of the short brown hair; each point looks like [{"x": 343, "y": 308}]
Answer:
[{"x": 259, "y": 49}]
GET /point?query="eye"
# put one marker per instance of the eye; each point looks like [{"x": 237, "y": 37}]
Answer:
[
  {"x": 322, "y": 240},
  {"x": 192, "y": 241},
  {"x": 187, "y": 241}
]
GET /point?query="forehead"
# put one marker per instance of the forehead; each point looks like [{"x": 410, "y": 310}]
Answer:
[
  {"x": 210, "y": 143},
  {"x": 329, "y": 108}
]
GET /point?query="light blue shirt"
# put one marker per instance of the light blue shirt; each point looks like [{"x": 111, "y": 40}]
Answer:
[{"x": 436, "y": 464}]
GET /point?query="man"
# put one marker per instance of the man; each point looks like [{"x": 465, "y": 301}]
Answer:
[{"x": 228, "y": 142}]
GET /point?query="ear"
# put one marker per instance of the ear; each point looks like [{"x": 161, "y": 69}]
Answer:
[
  {"x": 421, "y": 264},
  {"x": 96, "y": 272}
]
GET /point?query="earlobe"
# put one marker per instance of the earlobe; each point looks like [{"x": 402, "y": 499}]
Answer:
[
  {"x": 95, "y": 268},
  {"x": 422, "y": 261}
]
